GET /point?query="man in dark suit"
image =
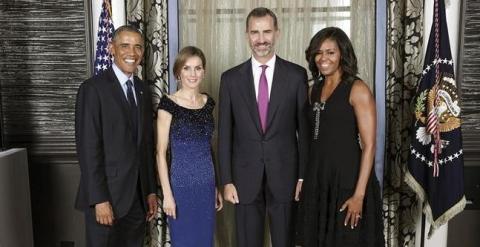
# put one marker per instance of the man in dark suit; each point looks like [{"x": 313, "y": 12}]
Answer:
[
  {"x": 114, "y": 135},
  {"x": 263, "y": 136}
]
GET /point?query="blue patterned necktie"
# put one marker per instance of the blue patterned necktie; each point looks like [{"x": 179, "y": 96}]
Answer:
[
  {"x": 133, "y": 109},
  {"x": 262, "y": 100}
]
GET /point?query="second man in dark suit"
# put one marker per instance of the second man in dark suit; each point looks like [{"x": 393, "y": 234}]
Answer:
[{"x": 262, "y": 136}]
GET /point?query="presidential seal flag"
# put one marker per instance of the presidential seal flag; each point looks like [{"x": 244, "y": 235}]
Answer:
[{"x": 435, "y": 166}]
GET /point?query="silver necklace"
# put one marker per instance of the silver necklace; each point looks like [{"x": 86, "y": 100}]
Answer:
[{"x": 317, "y": 108}]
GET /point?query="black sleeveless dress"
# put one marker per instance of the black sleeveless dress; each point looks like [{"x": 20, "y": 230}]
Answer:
[{"x": 331, "y": 176}]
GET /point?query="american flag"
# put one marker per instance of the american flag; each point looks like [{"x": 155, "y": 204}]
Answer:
[
  {"x": 103, "y": 58},
  {"x": 435, "y": 167}
]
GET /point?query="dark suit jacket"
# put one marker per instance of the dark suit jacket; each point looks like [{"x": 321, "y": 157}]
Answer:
[
  {"x": 110, "y": 161},
  {"x": 245, "y": 153}
]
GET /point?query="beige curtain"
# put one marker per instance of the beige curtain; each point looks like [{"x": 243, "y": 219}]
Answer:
[{"x": 218, "y": 28}]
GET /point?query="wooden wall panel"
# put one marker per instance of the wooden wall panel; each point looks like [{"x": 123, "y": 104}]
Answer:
[
  {"x": 43, "y": 62},
  {"x": 470, "y": 87}
]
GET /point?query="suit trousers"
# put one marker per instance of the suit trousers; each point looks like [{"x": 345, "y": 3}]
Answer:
[
  {"x": 250, "y": 220},
  {"x": 128, "y": 231}
]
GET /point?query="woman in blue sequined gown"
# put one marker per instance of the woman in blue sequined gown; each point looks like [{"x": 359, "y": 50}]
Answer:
[{"x": 185, "y": 126}]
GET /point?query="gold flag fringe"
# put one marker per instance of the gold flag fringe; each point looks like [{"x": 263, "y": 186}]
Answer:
[{"x": 445, "y": 217}]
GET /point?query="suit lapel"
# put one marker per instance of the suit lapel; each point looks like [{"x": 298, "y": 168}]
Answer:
[
  {"x": 118, "y": 94},
  {"x": 140, "y": 105},
  {"x": 248, "y": 93},
  {"x": 279, "y": 83}
]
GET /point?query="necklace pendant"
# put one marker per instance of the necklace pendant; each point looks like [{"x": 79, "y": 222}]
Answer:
[{"x": 322, "y": 105}]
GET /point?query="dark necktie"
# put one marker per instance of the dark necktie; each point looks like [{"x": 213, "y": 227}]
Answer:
[
  {"x": 262, "y": 100},
  {"x": 133, "y": 109}
]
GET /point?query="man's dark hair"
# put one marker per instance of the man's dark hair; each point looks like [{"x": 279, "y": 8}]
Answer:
[
  {"x": 261, "y": 12},
  {"x": 125, "y": 28}
]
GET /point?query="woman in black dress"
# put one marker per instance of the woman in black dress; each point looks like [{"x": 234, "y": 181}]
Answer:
[{"x": 340, "y": 199}]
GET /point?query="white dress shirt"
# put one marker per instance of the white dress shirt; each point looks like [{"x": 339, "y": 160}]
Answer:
[
  {"x": 257, "y": 71},
  {"x": 122, "y": 78}
]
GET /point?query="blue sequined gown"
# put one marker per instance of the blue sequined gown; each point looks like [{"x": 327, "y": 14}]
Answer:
[{"x": 192, "y": 175}]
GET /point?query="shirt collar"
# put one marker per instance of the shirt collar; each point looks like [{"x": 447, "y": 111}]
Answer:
[
  {"x": 122, "y": 78},
  {"x": 270, "y": 63}
]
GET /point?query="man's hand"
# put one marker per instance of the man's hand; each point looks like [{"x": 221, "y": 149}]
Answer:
[
  {"x": 104, "y": 213},
  {"x": 230, "y": 193},
  {"x": 218, "y": 200},
  {"x": 152, "y": 206},
  {"x": 298, "y": 189}
]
